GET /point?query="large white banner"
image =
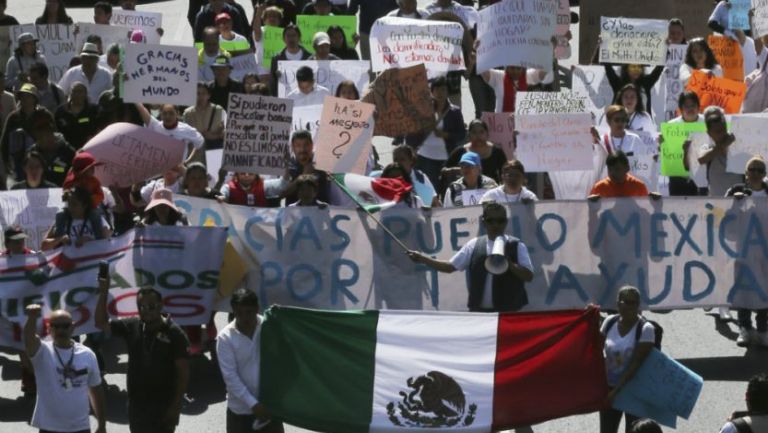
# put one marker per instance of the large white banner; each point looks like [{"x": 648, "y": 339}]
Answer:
[
  {"x": 328, "y": 74},
  {"x": 182, "y": 262},
  {"x": 160, "y": 74},
  {"x": 57, "y": 42},
  {"x": 681, "y": 253},
  {"x": 403, "y": 42},
  {"x": 517, "y": 33},
  {"x": 31, "y": 209}
]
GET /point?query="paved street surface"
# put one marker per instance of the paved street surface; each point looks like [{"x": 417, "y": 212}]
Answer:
[{"x": 692, "y": 337}]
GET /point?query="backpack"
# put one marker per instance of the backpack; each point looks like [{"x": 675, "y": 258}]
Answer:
[
  {"x": 741, "y": 425},
  {"x": 658, "y": 331}
]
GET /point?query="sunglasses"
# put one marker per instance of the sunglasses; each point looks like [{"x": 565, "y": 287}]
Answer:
[
  {"x": 61, "y": 325},
  {"x": 495, "y": 220}
]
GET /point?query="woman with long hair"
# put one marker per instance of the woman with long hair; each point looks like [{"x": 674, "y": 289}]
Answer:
[
  {"x": 339, "y": 45},
  {"x": 55, "y": 12},
  {"x": 699, "y": 57}
]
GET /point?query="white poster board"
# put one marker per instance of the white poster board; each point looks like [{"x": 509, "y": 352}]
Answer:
[
  {"x": 554, "y": 142},
  {"x": 633, "y": 41},
  {"x": 328, "y": 74},
  {"x": 148, "y": 22},
  {"x": 160, "y": 74}
]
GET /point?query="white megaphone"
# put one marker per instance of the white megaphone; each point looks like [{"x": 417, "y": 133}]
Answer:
[{"x": 496, "y": 263}]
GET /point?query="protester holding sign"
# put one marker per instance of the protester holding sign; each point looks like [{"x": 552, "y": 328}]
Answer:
[
  {"x": 699, "y": 57},
  {"x": 472, "y": 180},
  {"x": 689, "y": 107},
  {"x": 639, "y": 120},
  {"x": 77, "y": 223},
  {"x": 715, "y": 154},
  {"x": 250, "y": 189},
  {"x": 303, "y": 150},
  {"x": 624, "y": 352},
  {"x": 264, "y": 16},
  {"x": 339, "y": 46},
  {"x": 634, "y": 74},
  {"x": 512, "y": 189},
  {"x": 207, "y": 118},
  {"x": 24, "y": 56},
  {"x": 292, "y": 51},
  {"x": 171, "y": 127},
  {"x": 222, "y": 84},
  {"x": 77, "y": 118},
  {"x": 321, "y": 43},
  {"x": 618, "y": 139},
  {"x": 307, "y": 92}
]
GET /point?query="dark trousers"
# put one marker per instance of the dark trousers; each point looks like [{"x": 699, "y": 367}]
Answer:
[
  {"x": 682, "y": 186},
  {"x": 51, "y": 431},
  {"x": 611, "y": 418},
  {"x": 761, "y": 319},
  {"x": 482, "y": 95},
  {"x": 244, "y": 424}
]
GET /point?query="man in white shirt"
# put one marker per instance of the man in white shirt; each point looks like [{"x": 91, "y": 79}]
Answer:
[
  {"x": 237, "y": 347},
  {"x": 96, "y": 78},
  {"x": 172, "y": 127},
  {"x": 512, "y": 189},
  {"x": 67, "y": 374},
  {"x": 307, "y": 93}
]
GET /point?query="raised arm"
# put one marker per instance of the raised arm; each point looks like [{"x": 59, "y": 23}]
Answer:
[{"x": 31, "y": 339}]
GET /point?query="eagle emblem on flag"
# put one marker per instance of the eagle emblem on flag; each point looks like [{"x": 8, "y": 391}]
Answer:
[{"x": 432, "y": 400}]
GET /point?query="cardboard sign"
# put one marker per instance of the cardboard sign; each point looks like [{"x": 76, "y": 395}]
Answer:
[
  {"x": 724, "y": 93},
  {"x": 311, "y": 24},
  {"x": 160, "y": 74},
  {"x": 57, "y": 42},
  {"x": 109, "y": 34},
  {"x": 328, "y": 74},
  {"x": 738, "y": 14},
  {"x": 662, "y": 389},
  {"x": 673, "y": 85},
  {"x": 344, "y": 138},
  {"x": 672, "y": 154},
  {"x": 633, "y": 41},
  {"x": 550, "y": 102},
  {"x": 258, "y": 132},
  {"x": 694, "y": 14},
  {"x": 760, "y": 18},
  {"x": 307, "y": 117},
  {"x": 133, "y": 153},
  {"x": 517, "y": 33},
  {"x": 554, "y": 142},
  {"x": 272, "y": 44},
  {"x": 403, "y": 102},
  {"x": 729, "y": 56},
  {"x": 501, "y": 131},
  {"x": 749, "y": 131},
  {"x": 147, "y": 22},
  {"x": 403, "y": 42}
]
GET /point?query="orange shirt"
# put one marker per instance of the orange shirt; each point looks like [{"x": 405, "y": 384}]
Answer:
[{"x": 632, "y": 187}]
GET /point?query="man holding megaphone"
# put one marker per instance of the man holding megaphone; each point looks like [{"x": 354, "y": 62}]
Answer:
[{"x": 497, "y": 265}]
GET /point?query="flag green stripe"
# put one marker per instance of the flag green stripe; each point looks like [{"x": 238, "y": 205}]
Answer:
[
  {"x": 341, "y": 181},
  {"x": 317, "y": 368}
]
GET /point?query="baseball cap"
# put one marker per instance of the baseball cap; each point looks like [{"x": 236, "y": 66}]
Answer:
[
  {"x": 321, "y": 38},
  {"x": 26, "y": 37},
  {"x": 470, "y": 158},
  {"x": 222, "y": 17}
]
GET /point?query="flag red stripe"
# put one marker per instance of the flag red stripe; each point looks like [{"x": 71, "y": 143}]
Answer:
[{"x": 548, "y": 365}]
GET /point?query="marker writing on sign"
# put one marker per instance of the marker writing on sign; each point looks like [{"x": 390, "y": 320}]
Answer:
[{"x": 347, "y": 138}]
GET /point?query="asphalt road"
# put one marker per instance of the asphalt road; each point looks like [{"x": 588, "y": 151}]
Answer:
[{"x": 694, "y": 338}]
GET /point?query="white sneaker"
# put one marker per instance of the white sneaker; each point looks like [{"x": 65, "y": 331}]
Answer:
[
  {"x": 745, "y": 337},
  {"x": 725, "y": 314},
  {"x": 761, "y": 338}
]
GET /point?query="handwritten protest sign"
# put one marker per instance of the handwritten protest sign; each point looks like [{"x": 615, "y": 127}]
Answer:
[
  {"x": 633, "y": 41},
  {"x": 307, "y": 117},
  {"x": 344, "y": 138},
  {"x": 501, "y": 131},
  {"x": 592, "y": 82},
  {"x": 563, "y": 47},
  {"x": 109, "y": 34},
  {"x": 760, "y": 19},
  {"x": 724, "y": 93},
  {"x": 131, "y": 153},
  {"x": 242, "y": 65},
  {"x": 729, "y": 56},
  {"x": 674, "y": 86},
  {"x": 311, "y": 24},
  {"x": 675, "y": 134},
  {"x": 403, "y": 42},
  {"x": 662, "y": 386},
  {"x": 550, "y": 102},
  {"x": 646, "y": 168},
  {"x": 690, "y": 12},
  {"x": 554, "y": 142},
  {"x": 57, "y": 42},
  {"x": 649, "y": 144},
  {"x": 31, "y": 209},
  {"x": 749, "y": 131},
  {"x": 272, "y": 44},
  {"x": 403, "y": 102},
  {"x": 517, "y": 33},
  {"x": 147, "y": 22},
  {"x": 257, "y": 137},
  {"x": 160, "y": 74},
  {"x": 327, "y": 74},
  {"x": 738, "y": 14}
]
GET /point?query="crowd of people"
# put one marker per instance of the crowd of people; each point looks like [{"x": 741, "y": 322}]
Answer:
[{"x": 46, "y": 124}]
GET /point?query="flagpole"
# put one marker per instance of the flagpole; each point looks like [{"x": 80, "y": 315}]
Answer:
[{"x": 360, "y": 206}]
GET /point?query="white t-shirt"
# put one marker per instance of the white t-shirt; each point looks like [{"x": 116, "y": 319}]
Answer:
[
  {"x": 80, "y": 228},
  {"x": 204, "y": 71},
  {"x": 627, "y": 144},
  {"x": 433, "y": 146},
  {"x": 758, "y": 423},
  {"x": 62, "y": 401},
  {"x": 315, "y": 97},
  {"x": 461, "y": 259},
  {"x": 181, "y": 132},
  {"x": 499, "y": 196},
  {"x": 293, "y": 56},
  {"x": 618, "y": 350}
]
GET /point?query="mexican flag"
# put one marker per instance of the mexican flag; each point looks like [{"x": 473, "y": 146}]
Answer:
[
  {"x": 373, "y": 193},
  {"x": 391, "y": 371}
]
